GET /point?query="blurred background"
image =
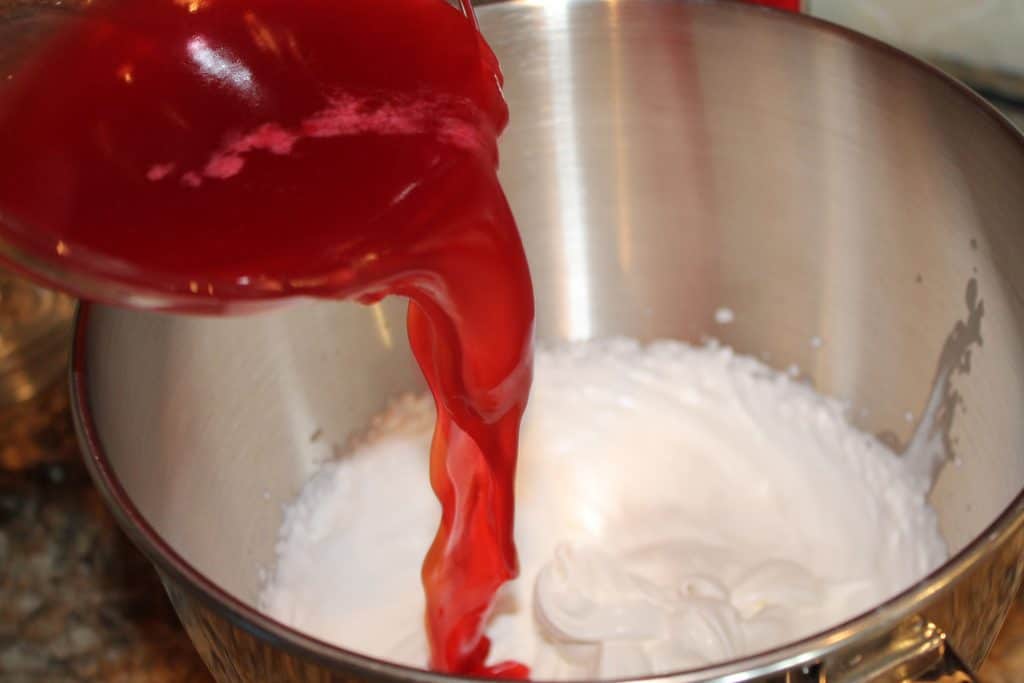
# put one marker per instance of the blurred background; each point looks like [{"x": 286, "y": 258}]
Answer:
[{"x": 979, "y": 41}]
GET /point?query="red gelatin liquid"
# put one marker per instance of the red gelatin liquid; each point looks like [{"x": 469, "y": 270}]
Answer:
[
  {"x": 789, "y": 5},
  {"x": 202, "y": 154}
]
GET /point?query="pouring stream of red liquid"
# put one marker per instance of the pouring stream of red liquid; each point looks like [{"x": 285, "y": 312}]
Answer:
[{"x": 201, "y": 154}]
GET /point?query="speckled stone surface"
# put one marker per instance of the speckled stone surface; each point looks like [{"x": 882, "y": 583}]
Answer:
[{"x": 77, "y": 601}]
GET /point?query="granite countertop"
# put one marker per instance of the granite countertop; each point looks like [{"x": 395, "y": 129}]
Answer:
[{"x": 79, "y": 603}]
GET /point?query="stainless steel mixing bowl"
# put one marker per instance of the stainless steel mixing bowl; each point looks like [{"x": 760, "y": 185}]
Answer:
[{"x": 665, "y": 158}]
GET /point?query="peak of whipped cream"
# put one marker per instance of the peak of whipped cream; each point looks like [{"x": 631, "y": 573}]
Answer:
[
  {"x": 676, "y": 507},
  {"x": 641, "y": 612}
]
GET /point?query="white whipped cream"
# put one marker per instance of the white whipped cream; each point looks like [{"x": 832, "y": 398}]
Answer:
[{"x": 677, "y": 507}]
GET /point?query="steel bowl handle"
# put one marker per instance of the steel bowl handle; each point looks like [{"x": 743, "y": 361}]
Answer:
[
  {"x": 920, "y": 653},
  {"x": 949, "y": 669}
]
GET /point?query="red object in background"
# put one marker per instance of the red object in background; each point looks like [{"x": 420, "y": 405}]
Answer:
[
  {"x": 261, "y": 149},
  {"x": 790, "y": 5}
]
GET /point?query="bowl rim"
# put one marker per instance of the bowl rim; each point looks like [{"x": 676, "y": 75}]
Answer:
[{"x": 804, "y": 652}]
